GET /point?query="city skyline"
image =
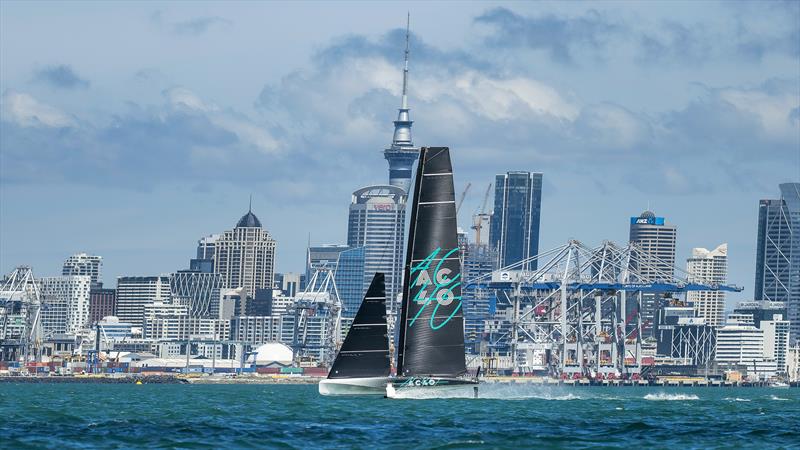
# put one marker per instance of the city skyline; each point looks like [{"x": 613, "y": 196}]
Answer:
[{"x": 147, "y": 223}]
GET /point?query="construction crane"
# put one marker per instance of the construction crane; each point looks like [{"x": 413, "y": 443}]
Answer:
[
  {"x": 477, "y": 219},
  {"x": 463, "y": 196}
]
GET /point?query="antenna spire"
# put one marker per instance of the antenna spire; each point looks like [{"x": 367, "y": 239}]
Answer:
[
  {"x": 404, "y": 105},
  {"x": 250, "y": 206}
]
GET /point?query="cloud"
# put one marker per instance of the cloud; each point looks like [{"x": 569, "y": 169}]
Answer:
[
  {"x": 190, "y": 27},
  {"x": 744, "y": 122},
  {"x": 674, "y": 41},
  {"x": 183, "y": 138},
  {"x": 25, "y": 111},
  {"x": 612, "y": 127},
  {"x": 735, "y": 31},
  {"x": 60, "y": 76},
  {"x": 560, "y": 36},
  {"x": 765, "y": 28},
  {"x": 345, "y": 105},
  {"x": 335, "y": 116}
]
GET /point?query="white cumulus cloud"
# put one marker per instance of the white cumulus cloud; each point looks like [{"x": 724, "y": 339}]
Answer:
[{"x": 25, "y": 111}]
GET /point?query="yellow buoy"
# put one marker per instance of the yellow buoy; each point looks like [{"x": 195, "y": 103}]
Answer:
[{"x": 138, "y": 381}]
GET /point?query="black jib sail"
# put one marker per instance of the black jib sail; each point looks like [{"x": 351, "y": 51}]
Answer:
[
  {"x": 365, "y": 351},
  {"x": 431, "y": 339}
]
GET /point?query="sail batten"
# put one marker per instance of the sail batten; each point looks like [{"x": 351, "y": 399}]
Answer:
[
  {"x": 431, "y": 341},
  {"x": 365, "y": 351}
]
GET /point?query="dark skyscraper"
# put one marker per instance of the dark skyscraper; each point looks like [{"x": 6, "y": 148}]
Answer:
[
  {"x": 778, "y": 253},
  {"x": 514, "y": 231}
]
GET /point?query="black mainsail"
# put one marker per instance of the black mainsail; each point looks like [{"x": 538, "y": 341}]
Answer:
[
  {"x": 365, "y": 351},
  {"x": 431, "y": 341}
]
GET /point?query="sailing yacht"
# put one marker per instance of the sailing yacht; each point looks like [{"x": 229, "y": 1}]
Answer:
[
  {"x": 362, "y": 364},
  {"x": 430, "y": 351}
]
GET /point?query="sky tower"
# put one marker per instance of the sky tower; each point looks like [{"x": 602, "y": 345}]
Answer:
[{"x": 402, "y": 153}]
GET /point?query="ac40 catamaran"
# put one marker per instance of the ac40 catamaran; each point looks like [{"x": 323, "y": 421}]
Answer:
[
  {"x": 430, "y": 352},
  {"x": 362, "y": 364}
]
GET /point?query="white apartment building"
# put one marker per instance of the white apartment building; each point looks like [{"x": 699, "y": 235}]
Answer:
[
  {"x": 708, "y": 267},
  {"x": 65, "y": 303},
  {"x": 793, "y": 363},
  {"x": 739, "y": 341},
  {"x": 776, "y": 341},
  {"x": 84, "y": 264}
]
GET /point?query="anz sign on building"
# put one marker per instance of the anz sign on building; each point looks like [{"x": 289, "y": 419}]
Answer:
[{"x": 647, "y": 221}]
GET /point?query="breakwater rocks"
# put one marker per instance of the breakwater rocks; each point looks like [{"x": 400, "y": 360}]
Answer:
[{"x": 148, "y": 379}]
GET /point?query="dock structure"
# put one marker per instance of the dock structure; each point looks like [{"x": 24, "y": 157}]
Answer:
[
  {"x": 580, "y": 312},
  {"x": 673, "y": 382},
  {"x": 21, "y": 332}
]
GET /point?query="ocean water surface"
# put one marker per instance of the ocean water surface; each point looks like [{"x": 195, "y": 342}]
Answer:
[{"x": 295, "y": 416}]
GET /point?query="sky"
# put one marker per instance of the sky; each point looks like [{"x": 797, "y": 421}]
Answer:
[{"x": 130, "y": 130}]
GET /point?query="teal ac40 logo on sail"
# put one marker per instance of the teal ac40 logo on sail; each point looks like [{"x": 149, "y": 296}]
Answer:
[{"x": 441, "y": 287}]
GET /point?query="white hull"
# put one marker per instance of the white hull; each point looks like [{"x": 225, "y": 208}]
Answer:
[
  {"x": 459, "y": 390},
  {"x": 353, "y": 386}
]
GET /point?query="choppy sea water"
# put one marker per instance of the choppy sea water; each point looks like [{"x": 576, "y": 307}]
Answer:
[{"x": 286, "y": 416}]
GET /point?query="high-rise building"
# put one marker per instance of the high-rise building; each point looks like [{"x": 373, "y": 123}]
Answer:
[
  {"x": 65, "y": 303},
  {"x": 244, "y": 256},
  {"x": 204, "y": 261},
  {"x": 260, "y": 305},
  {"x": 740, "y": 342},
  {"x": 347, "y": 264},
  {"x": 289, "y": 283},
  {"x": 514, "y": 232},
  {"x": 657, "y": 242},
  {"x": 778, "y": 253},
  {"x": 771, "y": 318},
  {"x": 762, "y": 350},
  {"x": 133, "y": 293},
  {"x": 776, "y": 341},
  {"x": 708, "y": 267},
  {"x": 102, "y": 303},
  {"x": 377, "y": 222},
  {"x": 479, "y": 260},
  {"x": 198, "y": 291},
  {"x": 84, "y": 264},
  {"x": 402, "y": 153}
]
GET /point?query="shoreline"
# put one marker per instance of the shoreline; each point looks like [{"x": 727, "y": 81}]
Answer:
[{"x": 218, "y": 380}]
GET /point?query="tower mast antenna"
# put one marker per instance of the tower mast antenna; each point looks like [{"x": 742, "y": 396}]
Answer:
[
  {"x": 404, "y": 104},
  {"x": 401, "y": 154}
]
